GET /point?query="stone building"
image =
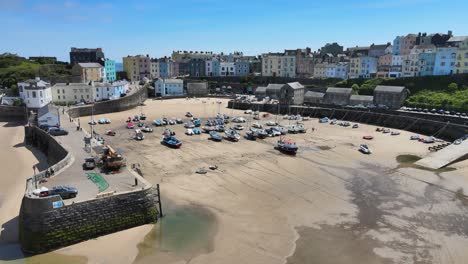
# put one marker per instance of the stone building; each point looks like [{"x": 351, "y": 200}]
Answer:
[
  {"x": 364, "y": 100},
  {"x": 338, "y": 96},
  {"x": 292, "y": 94},
  {"x": 392, "y": 97},
  {"x": 273, "y": 90},
  {"x": 88, "y": 72},
  {"x": 260, "y": 92},
  {"x": 197, "y": 89},
  {"x": 311, "y": 97},
  {"x": 78, "y": 55}
]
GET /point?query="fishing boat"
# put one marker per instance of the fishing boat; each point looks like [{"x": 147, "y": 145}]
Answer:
[
  {"x": 232, "y": 135},
  {"x": 355, "y": 126},
  {"x": 272, "y": 132},
  {"x": 196, "y": 131},
  {"x": 130, "y": 125},
  {"x": 429, "y": 140},
  {"x": 197, "y": 122},
  {"x": 208, "y": 129},
  {"x": 147, "y": 129},
  {"x": 368, "y": 137},
  {"x": 395, "y": 133},
  {"x": 220, "y": 128},
  {"x": 287, "y": 146},
  {"x": 386, "y": 130},
  {"x": 346, "y": 124},
  {"x": 457, "y": 142},
  {"x": 139, "y": 135},
  {"x": 300, "y": 128},
  {"x": 157, "y": 122},
  {"x": 188, "y": 114},
  {"x": 225, "y": 116},
  {"x": 238, "y": 127},
  {"x": 323, "y": 120},
  {"x": 415, "y": 137},
  {"x": 171, "y": 122},
  {"x": 141, "y": 124},
  {"x": 179, "y": 121},
  {"x": 189, "y": 132},
  {"x": 102, "y": 121},
  {"x": 189, "y": 125},
  {"x": 364, "y": 149},
  {"x": 282, "y": 130},
  {"x": 305, "y": 118},
  {"x": 271, "y": 123},
  {"x": 142, "y": 116},
  {"x": 257, "y": 125},
  {"x": 215, "y": 136},
  {"x": 171, "y": 141},
  {"x": 168, "y": 132},
  {"x": 239, "y": 120},
  {"x": 250, "y": 135},
  {"x": 136, "y": 118},
  {"x": 260, "y": 133}
]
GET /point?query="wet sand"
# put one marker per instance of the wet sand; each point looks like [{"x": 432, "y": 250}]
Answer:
[{"x": 329, "y": 204}]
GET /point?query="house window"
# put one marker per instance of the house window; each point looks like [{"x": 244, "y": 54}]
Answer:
[
  {"x": 64, "y": 97},
  {"x": 34, "y": 94},
  {"x": 59, "y": 97},
  {"x": 58, "y": 91}
]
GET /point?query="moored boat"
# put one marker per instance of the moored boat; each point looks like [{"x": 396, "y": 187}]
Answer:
[
  {"x": 364, "y": 149},
  {"x": 232, "y": 135},
  {"x": 287, "y": 146},
  {"x": 171, "y": 141},
  {"x": 215, "y": 136}
]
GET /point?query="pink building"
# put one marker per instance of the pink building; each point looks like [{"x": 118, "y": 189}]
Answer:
[{"x": 407, "y": 43}]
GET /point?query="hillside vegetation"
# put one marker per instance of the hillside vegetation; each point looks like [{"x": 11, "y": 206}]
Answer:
[
  {"x": 14, "y": 69},
  {"x": 444, "y": 92}
]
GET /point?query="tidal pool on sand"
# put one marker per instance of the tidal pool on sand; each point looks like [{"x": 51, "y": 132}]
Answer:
[{"x": 183, "y": 233}]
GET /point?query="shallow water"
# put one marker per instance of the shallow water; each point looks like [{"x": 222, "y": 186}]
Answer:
[{"x": 182, "y": 234}]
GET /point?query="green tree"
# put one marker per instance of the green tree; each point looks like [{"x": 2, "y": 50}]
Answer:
[
  {"x": 452, "y": 87},
  {"x": 355, "y": 88}
]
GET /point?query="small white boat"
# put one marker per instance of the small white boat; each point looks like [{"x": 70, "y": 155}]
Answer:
[
  {"x": 139, "y": 135},
  {"x": 257, "y": 125},
  {"x": 395, "y": 133},
  {"x": 365, "y": 149},
  {"x": 147, "y": 129},
  {"x": 189, "y": 132},
  {"x": 271, "y": 123},
  {"x": 415, "y": 137}
]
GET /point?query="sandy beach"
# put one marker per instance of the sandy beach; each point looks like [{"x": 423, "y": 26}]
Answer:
[{"x": 328, "y": 204}]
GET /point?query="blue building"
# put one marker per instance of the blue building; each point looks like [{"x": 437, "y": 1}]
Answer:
[
  {"x": 242, "y": 68},
  {"x": 111, "y": 75},
  {"x": 426, "y": 63},
  {"x": 163, "y": 69},
  {"x": 212, "y": 68},
  {"x": 397, "y": 43},
  {"x": 445, "y": 60}
]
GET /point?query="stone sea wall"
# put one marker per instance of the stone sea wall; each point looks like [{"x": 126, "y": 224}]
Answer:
[
  {"x": 393, "y": 119},
  {"x": 117, "y": 105},
  {"x": 12, "y": 113},
  {"x": 44, "y": 228},
  {"x": 46, "y": 223}
]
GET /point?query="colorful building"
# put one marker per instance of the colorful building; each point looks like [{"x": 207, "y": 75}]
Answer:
[
  {"x": 111, "y": 74},
  {"x": 212, "y": 68},
  {"x": 242, "y": 68},
  {"x": 407, "y": 43},
  {"x": 445, "y": 60},
  {"x": 363, "y": 67},
  {"x": 35, "y": 93},
  {"x": 462, "y": 57},
  {"x": 426, "y": 63}
]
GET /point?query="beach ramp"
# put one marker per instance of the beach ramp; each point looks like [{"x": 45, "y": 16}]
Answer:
[{"x": 446, "y": 156}]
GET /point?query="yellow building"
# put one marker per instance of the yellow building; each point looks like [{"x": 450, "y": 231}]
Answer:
[
  {"x": 87, "y": 72},
  {"x": 462, "y": 57},
  {"x": 132, "y": 67}
]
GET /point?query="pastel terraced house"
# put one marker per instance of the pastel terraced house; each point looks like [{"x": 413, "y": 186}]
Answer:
[{"x": 462, "y": 57}]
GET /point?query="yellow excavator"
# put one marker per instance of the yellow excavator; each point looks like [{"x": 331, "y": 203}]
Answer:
[{"x": 111, "y": 159}]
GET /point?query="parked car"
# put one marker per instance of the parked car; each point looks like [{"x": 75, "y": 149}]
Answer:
[
  {"x": 56, "y": 131},
  {"x": 89, "y": 164},
  {"x": 64, "y": 191}
]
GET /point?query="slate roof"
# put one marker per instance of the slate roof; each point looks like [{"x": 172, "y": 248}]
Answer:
[
  {"x": 261, "y": 89},
  {"x": 339, "y": 90},
  {"x": 45, "y": 110},
  {"x": 90, "y": 65},
  {"x": 311, "y": 94},
  {"x": 274, "y": 86},
  {"x": 457, "y": 39},
  {"x": 389, "y": 89},
  {"x": 172, "y": 80},
  {"x": 362, "y": 98},
  {"x": 197, "y": 85},
  {"x": 296, "y": 85}
]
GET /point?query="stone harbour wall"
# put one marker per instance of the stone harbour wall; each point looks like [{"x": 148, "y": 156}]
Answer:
[
  {"x": 117, "y": 105},
  {"x": 44, "y": 228},
  {"x": 392, "y": 119},
  {"x": 12, "y": 113}
]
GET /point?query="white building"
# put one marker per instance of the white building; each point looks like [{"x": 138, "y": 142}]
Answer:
[
  {"x": 154, "y": 69},
  {"x": 35, "y": 93},
  {"x": 320, "y": 70},
  {"x": 169, "y": 87},
  {"x": 397, "y": 66},
  {"x": 71, "y": 93},
  {"x": 278, "y": 65},
  {"x": 48, "y": 115},
  {"x": 227, "y": 69}
]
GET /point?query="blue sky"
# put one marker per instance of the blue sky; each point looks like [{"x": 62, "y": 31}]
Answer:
[{"x": 154, "y": 27}]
